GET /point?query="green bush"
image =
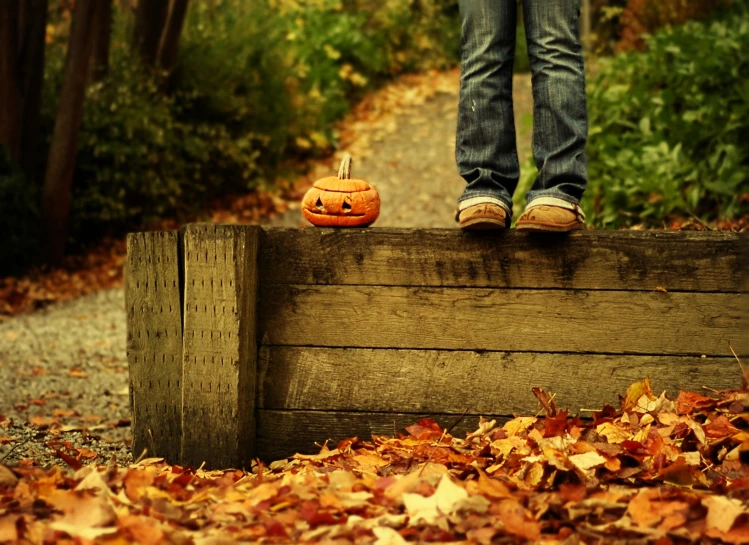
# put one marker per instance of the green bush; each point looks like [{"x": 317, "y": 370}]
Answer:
[
  {"x": 669, "y": 129},
  {"x": 287, "y": 70}
]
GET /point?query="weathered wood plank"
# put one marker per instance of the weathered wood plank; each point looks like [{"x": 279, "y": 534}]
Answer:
[
  {"x": 434, "y": 381},
  {"x": 617, "y": 260},
  {"x": 220, "y": 351},
  {"x": 281, "y": 434},
  {"x": 609, "y": 322},
  {"x": 154, "y": 342}
]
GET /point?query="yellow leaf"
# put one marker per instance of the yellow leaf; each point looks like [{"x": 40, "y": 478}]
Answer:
[
  {"x": 612, "y": 432},
  {"x": 635, "y": 392}
]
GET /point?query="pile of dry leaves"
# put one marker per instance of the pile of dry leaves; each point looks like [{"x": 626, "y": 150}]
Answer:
[{"x": 656, "y": 471}]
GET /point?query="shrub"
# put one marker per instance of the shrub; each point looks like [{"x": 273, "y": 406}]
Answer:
[
  {"x": 668, "y": 130},
  {"x": 642, "y": 17},
  {"x": 668, "y": 126}
]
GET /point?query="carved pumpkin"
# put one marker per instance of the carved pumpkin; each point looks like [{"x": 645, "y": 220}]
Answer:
[{"x": 341, "y": 201}]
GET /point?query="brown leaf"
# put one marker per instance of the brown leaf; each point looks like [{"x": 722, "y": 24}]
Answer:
[
  {"x": 687, "y": 402},
  {"x": 135, "y": 481},
  {"x": 7, "y": 477},
  {"x": 517, "y": 520},
  {"x": 546, "y": 402},
  {"x": 143, "y": 530},
  {"x": 493, "y": 488},
  {"x": 73, "y": 462},
  {"x": 86, "y": 453},
  {"x": 8, "y": 528},
  {"x": 426, "y": 428}
]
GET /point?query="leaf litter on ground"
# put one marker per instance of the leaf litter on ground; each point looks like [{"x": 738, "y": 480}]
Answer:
[{"x": 655, "y": 470}]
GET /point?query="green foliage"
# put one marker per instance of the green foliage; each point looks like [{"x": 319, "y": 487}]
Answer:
[
  {"x": 286, "y": 70},
  {"x": 256, "y": 83},
  {"x": 668, "y": 127},
  {"x": 522, "y": 63}
]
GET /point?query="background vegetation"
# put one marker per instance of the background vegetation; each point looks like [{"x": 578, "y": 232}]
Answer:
[
  {"x": 258, "y": 85},
  {"x": 255, "y": 82},
  {"x": 668, "y": 125}
]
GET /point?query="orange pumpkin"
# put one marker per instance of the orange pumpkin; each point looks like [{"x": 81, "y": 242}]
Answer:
[{"x": 341, "y": 201}]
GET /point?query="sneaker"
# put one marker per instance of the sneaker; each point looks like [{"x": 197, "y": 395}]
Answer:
[
  {"x": 482, "y": 216},
  {"x": 558, "y": 218}
]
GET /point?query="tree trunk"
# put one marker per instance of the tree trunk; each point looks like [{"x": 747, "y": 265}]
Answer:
[
  {"x": 32, "y": 66},
  {"x": 56, "y": 196},
  {"x": 102, "y": 39},
  {"x": 170, "y": 42},
  {"x": 22, "y": 31},
  {"x": 150, "y": 19},
  {"x": 10, "y": 79}
]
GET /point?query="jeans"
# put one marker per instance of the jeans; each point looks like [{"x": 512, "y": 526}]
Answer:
[{"x": 485, "y": 145}]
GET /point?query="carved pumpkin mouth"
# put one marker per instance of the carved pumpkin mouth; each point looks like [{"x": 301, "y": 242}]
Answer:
[{"x": 316, "y": 213}]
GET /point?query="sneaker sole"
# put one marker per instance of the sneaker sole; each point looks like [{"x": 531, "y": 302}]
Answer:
[
  {"x": 482, "y": 224},
  {"x": 549, "y": 227}
]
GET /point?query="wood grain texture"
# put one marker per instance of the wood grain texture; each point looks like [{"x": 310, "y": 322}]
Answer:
[
  {"x": 220, "y": 351},
  {"x": 434, "y": 381},
  {"x": 280, "y": 434},
  {"x": 614, "y": 260},
  {"x": 612, "y": 322},
  {"x": 154, "y": 342}
]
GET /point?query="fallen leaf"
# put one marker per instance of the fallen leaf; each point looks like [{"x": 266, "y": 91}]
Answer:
[
  {"x": 387, "y": 536},
  {"x": 722, "y": 512},
  {"x": 635, "y": 392},
  {"x": 7, "y": 477},
  {"x": 587, "y": 460}
]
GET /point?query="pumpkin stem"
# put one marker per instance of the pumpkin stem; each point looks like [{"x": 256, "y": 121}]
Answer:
[{"x": 344, "y": 172}]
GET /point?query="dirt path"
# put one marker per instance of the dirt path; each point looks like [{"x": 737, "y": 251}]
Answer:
[
  {"x": 408, "y": 152},
  {"x": 63, "y": 370}
]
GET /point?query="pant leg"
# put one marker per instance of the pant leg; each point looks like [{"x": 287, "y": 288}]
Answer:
[
  {"x": 560, "y": 117},
  {"x": 485, "y": 145}
]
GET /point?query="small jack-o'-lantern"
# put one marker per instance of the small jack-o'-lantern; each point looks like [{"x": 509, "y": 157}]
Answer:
[{"x": 341, "y": 201}]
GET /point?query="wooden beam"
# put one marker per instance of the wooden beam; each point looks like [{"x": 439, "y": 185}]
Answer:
[
  {"x": 607, "y": 260},
  {"x": 440, "y": 381},
  {"x": 154, "y": 343},
  {"x": 281, "y": 434},
  {"x": 608, "y": 322},
  {"x": 220, "y": 352}
]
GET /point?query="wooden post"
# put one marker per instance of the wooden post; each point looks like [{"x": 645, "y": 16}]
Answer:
[
  {"x": 154, "y": 343},
  {"x": 220, "y": 351}
]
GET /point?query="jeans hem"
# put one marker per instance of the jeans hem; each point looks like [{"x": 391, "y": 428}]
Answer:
[
  {"x": 473, "y": 195},
  {"x": 560, "y": 196}
]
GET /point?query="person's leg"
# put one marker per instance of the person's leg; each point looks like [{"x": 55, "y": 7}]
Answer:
[
  {"x": 560, "y": 122},
  {"x": 485, "y": 145}
]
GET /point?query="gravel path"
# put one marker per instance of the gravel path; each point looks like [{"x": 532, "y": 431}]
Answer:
[
  {"x": 63, "y": 370},
  {"x": 64, "y": 379}
]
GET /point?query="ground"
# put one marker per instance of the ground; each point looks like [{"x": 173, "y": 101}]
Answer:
[{"x": 63, "y": 379}]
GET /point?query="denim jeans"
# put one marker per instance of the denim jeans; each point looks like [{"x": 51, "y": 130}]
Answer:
[{"x": 485, "y": 146}]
